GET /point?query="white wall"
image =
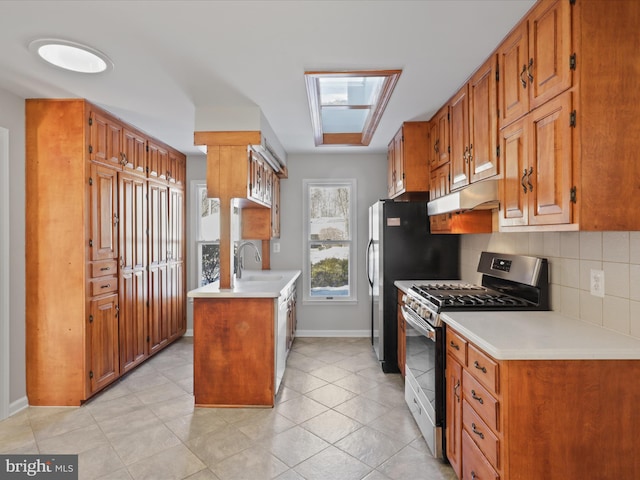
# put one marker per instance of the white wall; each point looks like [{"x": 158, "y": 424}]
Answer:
[
  {"x": 12, "y": 118},
  {"x": 572, "y": 255},
  {"x": 370, "y": 172}
]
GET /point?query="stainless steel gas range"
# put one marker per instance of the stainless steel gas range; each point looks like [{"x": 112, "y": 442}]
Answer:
[{"x": 509, "y": 282}]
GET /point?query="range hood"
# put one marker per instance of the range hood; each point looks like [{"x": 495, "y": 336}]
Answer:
[{"x": 477, "y": 196}]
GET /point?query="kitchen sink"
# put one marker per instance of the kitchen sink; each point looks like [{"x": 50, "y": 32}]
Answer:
[{"x": 262, "y": 277}]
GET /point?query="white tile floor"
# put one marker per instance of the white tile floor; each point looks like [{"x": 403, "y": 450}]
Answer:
[{"x": 338, "y": 417}]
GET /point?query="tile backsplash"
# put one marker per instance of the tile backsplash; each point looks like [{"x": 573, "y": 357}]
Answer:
[{"x": 572, "y": 256}]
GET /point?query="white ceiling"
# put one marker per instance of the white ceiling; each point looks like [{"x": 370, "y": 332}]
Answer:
[{"x": 173, "y": 56}]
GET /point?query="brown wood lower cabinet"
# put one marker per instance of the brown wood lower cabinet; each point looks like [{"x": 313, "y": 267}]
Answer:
[{"x": 530, "y": 419}]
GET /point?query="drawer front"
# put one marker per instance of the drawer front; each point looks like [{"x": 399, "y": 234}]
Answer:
[
  {"x": 101, "y": 269},
  {"x": 474, "y": 465},
  {"x": 103, "y": 285},
  {"x": 481, "y": 400},
  {"x": 481, "y": 434},
  {"x": 457, "y": 346},
  {"x": 484, "y": 368}
]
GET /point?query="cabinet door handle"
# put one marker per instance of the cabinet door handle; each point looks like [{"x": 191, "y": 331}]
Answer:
[
  {"x": 470, "y": 156},
  {"x": 529, "y": 179},
  {"x": 524, "y": 175},
  {"x": 108, "y": 285},
  {"x": 465, "y": 155},
  {"x": 479, "y": 367},
  {"x": 529, "y": 74},
  {"x": 476, "y": 431},
  {"x": 473, "y": 475},
  {"x": 523, "y": 80},
  {"x": 476, "y": 397},
  {"x": 455, "y": 390},
  {"x": 452, "y": 344},
  {"x": 105, "y": 269},
  {"x": 436, "y": 146}
]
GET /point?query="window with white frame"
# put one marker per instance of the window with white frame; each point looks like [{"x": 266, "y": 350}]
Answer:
[
  {"x": 329, "y": 209},
  {"x": 207, "y": 221}
]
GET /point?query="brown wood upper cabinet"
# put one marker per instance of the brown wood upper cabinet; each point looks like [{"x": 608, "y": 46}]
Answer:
[
  {"x": 474, "y": 128},
  {"x": 536, "y": 60},
  {"x": 407, "y": 161}
]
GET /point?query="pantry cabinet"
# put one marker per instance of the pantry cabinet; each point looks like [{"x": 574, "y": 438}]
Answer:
[
  {"x": 89, "y": 315},
  {"x": 407, "y": 160}
]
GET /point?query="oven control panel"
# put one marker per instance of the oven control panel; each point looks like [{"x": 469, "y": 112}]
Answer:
[{"x": 501, "y": 264}]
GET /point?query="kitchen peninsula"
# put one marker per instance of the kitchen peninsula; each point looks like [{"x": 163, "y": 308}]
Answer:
[{"x": 242, "y": 336}]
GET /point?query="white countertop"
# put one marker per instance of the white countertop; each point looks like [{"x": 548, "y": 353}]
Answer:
[
  {"x": 526, "y": 335},
  {"x": 254, "y": 284},
  {"x": 541, "y": 336}
]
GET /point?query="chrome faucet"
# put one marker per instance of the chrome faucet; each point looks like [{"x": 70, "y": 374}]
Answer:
[{"x": 239, "y": 258}]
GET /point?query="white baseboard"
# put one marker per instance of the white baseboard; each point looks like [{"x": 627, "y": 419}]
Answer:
[
  {"x": 334, "y": 333},
  {"x": 189, "y": 332},
  {"x": 18, "y": 405}
]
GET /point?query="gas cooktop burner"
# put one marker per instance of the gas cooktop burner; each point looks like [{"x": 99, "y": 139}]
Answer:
[{"x": 465, "y": 295}]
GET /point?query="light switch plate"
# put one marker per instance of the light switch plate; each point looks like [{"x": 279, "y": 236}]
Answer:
[
  {"x": 597, "y": 283},
  {"x": 276, "y": 247}
]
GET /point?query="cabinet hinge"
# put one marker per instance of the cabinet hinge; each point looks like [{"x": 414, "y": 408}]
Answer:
[
  {"x": 572, "y": 119},
  {"x": 90, "y": 149},
  {"x": 448, "y": 117},
  {"x": 147, "y": 147},
  {"x": 148, "y": 338},
  {"x": 572, "y": 2},
  {"x": 497, "y": 73},
  {"x": 572, "y": 61},
  {"x": 498, "y": 151},
  {"x": 90, "y": 243},
  {"x": 449, "y": 149},
  {"x": 90, "y": 121},
  {"x": 90, "y": 318},
  {"x": 573, "y": 194},
  {"x": 91, "y": 374},
  {"x": 147, "y": 168},
  {"x": 90, "y": 181}
]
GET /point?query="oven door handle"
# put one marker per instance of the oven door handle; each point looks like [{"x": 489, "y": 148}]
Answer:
[{"x": 425, "y": 330}]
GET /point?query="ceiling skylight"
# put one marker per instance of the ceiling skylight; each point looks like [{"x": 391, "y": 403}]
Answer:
[
  {"x": 347, "y": 106},
  {"x": 71, "y": 55}
]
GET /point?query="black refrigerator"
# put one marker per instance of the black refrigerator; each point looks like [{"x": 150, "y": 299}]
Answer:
[{"x": 401, "y": 247}]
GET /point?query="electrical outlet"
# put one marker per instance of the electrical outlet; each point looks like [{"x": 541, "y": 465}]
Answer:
[
  {"x": 276, "y": 247},
  {"x": 597, "y": 283}
]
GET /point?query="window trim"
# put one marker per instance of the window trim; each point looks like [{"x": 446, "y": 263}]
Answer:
[
  {"x": 352, "y": 298},
  {"x": 196, "y": 188}
]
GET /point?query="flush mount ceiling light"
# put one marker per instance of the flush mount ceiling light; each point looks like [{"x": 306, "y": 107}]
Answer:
[
  {"x": 71, "y": 55},
  {"x": 346, "y": 107}
]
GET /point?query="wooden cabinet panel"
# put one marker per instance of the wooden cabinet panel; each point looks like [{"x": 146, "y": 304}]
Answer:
[
  {"x": 551, "y": 159},
  {"x": 514, "y": 148},
  {"x": 483, "y": 122},
  {"x": 176, "y": 225},
  {"x": 475, "y": 465},
  {"x": 158, "y": 223},
  {"x": 103, "y": 341},
  {"x": 275, "y": 208},
  {"x": 441, "y": 144},
  {"x": 485, "y": 369},
  {"x": 104, "y": 268},
  {"x": 481, "y": 434},
  {"x": 408, "y": 164},
  {"x": 457, "y": 347},
  {"x": 481, "y": 400},
  {"x": 134, "y": 159},
  {"x": 535, "y": 60},
  {"x": 133, "y": 318},
  {"x": 158, "y": 159},
  {"x": 103, "y": 203},
  {"x": 459, "y": 156},
  {"x": 158, "y": 308},
  {"x": 513, "y": 56},
  {"x": 548, "y": 68},
  {"x": 105, "y": 144},
  {"x": 102, "y": 286},
  {"x": 454, "y": 412}
]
